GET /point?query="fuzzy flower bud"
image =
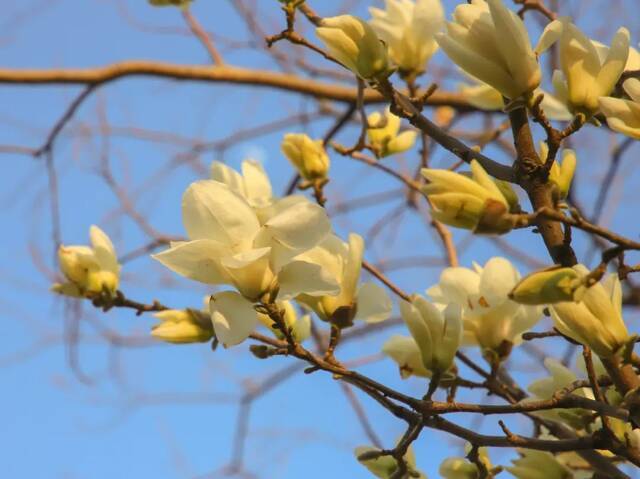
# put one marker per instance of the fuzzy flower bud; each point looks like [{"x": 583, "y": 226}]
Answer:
[
  {"x": 306, "y": 155},
  {"x": 475, "y": 203},
  {"x": 182, "y": 326},
  {"x": 353, "y": 42}
]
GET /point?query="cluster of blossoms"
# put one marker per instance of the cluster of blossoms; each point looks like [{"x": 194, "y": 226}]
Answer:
[{"x": 280, "y": 260}]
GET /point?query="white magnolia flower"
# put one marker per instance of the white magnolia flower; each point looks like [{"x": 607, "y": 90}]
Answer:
[
  {"x": 353, "y": 42},
  {"x": 383, "y": 134},
  {"x": 407, "y": 355},
  {"x": 477, "y": 203},
  {"x": 490, "y": 319},
  {"x": 92, "y": 270},
  {"x": 231, "y": 243},
  {"x": 306, "y": 155},
  {"x": 585, "y": 75},
  {"x": 408, "y": 29},
  {"x": 491, "y": 43},
  {"x": 437, "y": 333},
  {"x": 182, "y": 326},
  {"x": 534, "y": 464},
  {"x": 623, "y": 115},
  {"x": 560, "y": 378},
  {"x": 343, "y": 262}
]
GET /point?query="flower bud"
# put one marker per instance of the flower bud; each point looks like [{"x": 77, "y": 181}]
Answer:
[
  {"x": 547, "y": 286},
  {"x": 353, "y": 42},
  {"x": 437, "y": 334},
  {"x": 383, "y": 134},
  {"x": 182, "y": 326},
  {"x": 89, "y": 270},
  {"x": 306, "y": 155},
  {"x": 476, "y": 203},
  {"x": 533, "y": 464}
]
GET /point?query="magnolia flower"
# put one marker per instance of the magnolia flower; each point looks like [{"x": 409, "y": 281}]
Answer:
[
  {"x": 585, "y": 76},
  {"x": 475, "y": 203},
  {"x": 406, "y": 353},
  {"x": 490, "y": 42},
  {"x": 545, "y": 388},
  {"x": 534, "y": 464},
  {"x": 300, "y": 326},
  {"x": 343, "y": 262},
  {"x": 385, "y": 466},
  {"x": 383, "y": 134},
  {"x": 485, "y": 97},
  {"x": 561, "y": 173},
  {"x": 408, "y": 27},
  {"x": 623, "y": 115},
  {"x": 490, "y": 319},
  {"x": 462, "y": 468},
  {"x": 252, "y": 183},
  {"x": 590, "y": 315},
  {"x": 306, "y": 155},
  {"x": 89, "y": 270},
  {"x": 182, "y": 326},
  {"x": 352, "y": 42},
  {"x": 437, "y": 333}
]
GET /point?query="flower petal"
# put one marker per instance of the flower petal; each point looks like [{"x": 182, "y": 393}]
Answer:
[
  {"x": 233, "y": 317},
  {"x": 302, "y": 277},
  {"x": 212, "y": 210},
  {"x": 373, "y": 303},
  {"x": 198, "y": 260}
]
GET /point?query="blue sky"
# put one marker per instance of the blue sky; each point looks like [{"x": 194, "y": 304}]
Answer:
[{"x": 85, "y": 408}]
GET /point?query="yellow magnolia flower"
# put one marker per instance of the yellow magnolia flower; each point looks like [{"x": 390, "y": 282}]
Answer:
[
  {"x": 491, "y": 43},
  {"x": 585, "y": 75},
  {"x": 89, "y": 270},
  {"x": 561, "y": 173},
  {"x": 623, "y": 115},
  {"x": 547, "y": 286},
  {"x": 354, "y": 43},
  {"x": 306, "y": 155},
  {"x": 408, "y": 28},
  {"x": 182, "y": 326},
  {"x": 383, "y": 134},
  {"x": 475, "y": 203}
]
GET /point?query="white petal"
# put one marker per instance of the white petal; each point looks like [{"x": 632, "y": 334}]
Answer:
[
  {"x": 373, "y": 303},
  {"x": 233, "y": 317},
  {"x": 250, "y": 271},
  {"x": 458, "y": 284},
  {"x": 198, "y": 260},
  {"x": 299, "y": 277},
  {"x": 103, "y": 249},
  {"x": 257, "y": 184},
  {"x": 227, "y": 175},
  {"x": 301, "y": 226},
  {"x": 498, "y": 279},
  {"x": 211, "y": 210}
]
